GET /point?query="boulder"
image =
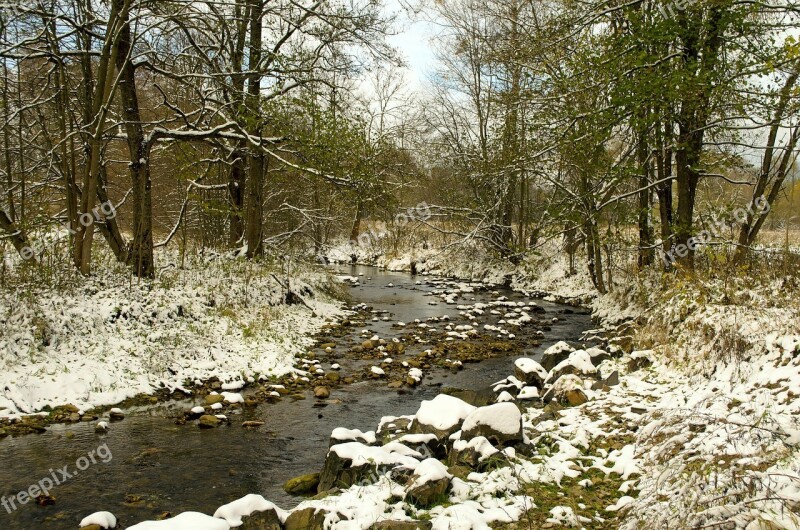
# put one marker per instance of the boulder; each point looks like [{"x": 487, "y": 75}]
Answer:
[
  {"x": 302, "y": 485},
  {"x": 578, "y": 363},
  {"x": 471, "y": 453},
  {"x": 353, "y": 463},
  {"x": 267, "y": 520},
  {"x": 567, "y": 390},
  {"x": 429, "y": 485},
  {"x": 306, "y": 519},
  {"x": 530, "y": 372},
  {"x": 441, "y": 416},
  {"x": 640, "y": 360},
  {"x": 598, "y": 355},
  {"x": 207, "y": 421},
  {"x": 555, "y": 354},
  {"x": 501, "y": 423}
]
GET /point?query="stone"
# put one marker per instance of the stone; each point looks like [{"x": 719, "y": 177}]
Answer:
[
  {"x": 207, "y": 421},
  {"x": 266, "y": 520},
  {"x": 395, "y": 384},
  {"x": 322, "y": 392},
  {"x": 327, "y": 345},
  {"x": 562, "y": 387},
  {"x": 598, "y": 355},
  {"x": 70, "y": 408},
  {"x": 429, "y": 493},
  {"x": 214, "y": 398},
  {"x": 605, "y": 384},
  {"x": 555, "y": 354},
  {"x": 252, "y": 424},
  {"x": 338, "y": 473},
  {"x": 576, "y": 397},
  {"x": 640, "y": 360},
  {"x": 368, "y": 345},
  {"x": 333, "y": 377},
  {"x": 92, "y": 527},
  {"x": 306, "y": 519},
  {"x": 500, "y": 423},
  {"x": 578, "y": 363},
  {"x": 302, "y": 485},
  {"x": 530, "y": 372}
]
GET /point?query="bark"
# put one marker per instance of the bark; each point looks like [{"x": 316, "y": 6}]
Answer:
[
  {"x": 700, "y": 58},
  {"x": 140, "y": 254},
  {"x": 646, "y": 250},
  {"x": 255, "y": 174},
  {"x": 237, "y": 177},
  {"x": 356, "y": 231},
  {"x": 99, "y": 105},
  {"x": 17, "y": 236}
]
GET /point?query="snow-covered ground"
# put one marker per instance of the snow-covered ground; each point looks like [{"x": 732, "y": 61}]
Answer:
[{"x": 99, "y": 340}]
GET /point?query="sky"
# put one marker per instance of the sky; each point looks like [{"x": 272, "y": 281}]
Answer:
[{"x": 413, "y": 43}]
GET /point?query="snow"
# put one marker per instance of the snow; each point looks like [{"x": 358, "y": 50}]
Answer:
[
  {"x": 101, "y": 519},
  {"x": 184, "y": 521},
  {"x": 360, "y": 454},
  {"x": 481, "y": 445},
  {"x": 377, "y": 371},
  {"x": 233, "y": 512},
  {"x": 232, "y": 397},
  {"x": 443, "y": 412},
  {"x": 501, "y": 417},
  {"x": 580, "y": 360},
  {"x": 558, "y": 347},
  {"x": 105, "y": 339},
  {"x": 429, "y": 470},
  {"x": 343, "y": 434},
  {"x": 529, "y": 366},
  {"x": 527, "y": 393}
]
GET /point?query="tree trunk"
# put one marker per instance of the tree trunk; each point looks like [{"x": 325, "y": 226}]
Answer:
[
  {"x": 255, "y": 175},
  {"x": 140, "y": 255},
  {"x": 356, "y": 231},
  {"x": 646, "y": 250},
  {"x": 17, "y": 236},
  {"x": 99, "y": 105},
  {"x": 236, "y": 189},
  {"x": 254, "y": 233},
  {"x": 237, "y": 177}
]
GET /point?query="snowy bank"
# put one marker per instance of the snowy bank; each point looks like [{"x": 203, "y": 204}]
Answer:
[{"x": 100, "y": 340}]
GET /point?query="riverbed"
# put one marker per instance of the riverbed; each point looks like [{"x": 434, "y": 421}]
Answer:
[{"x": 158, "y": 468}]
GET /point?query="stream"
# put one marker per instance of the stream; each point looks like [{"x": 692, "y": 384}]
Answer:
[{"x": 158, "y": 466}]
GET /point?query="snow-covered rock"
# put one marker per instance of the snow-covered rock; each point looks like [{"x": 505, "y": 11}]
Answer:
[
  {"x": 441, "y": 416},
  {"x": 102, "y": 519},
  {"x": 578, "y": 363},
  {"x": 530, "y": 372},
  {"x": 501, "y": 422},
  {"x": 555, "y": 354},
  {"x": 233, "y": 512}
]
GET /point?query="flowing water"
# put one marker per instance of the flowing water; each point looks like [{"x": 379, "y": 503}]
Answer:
[{"x": 156, "y": 466}]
